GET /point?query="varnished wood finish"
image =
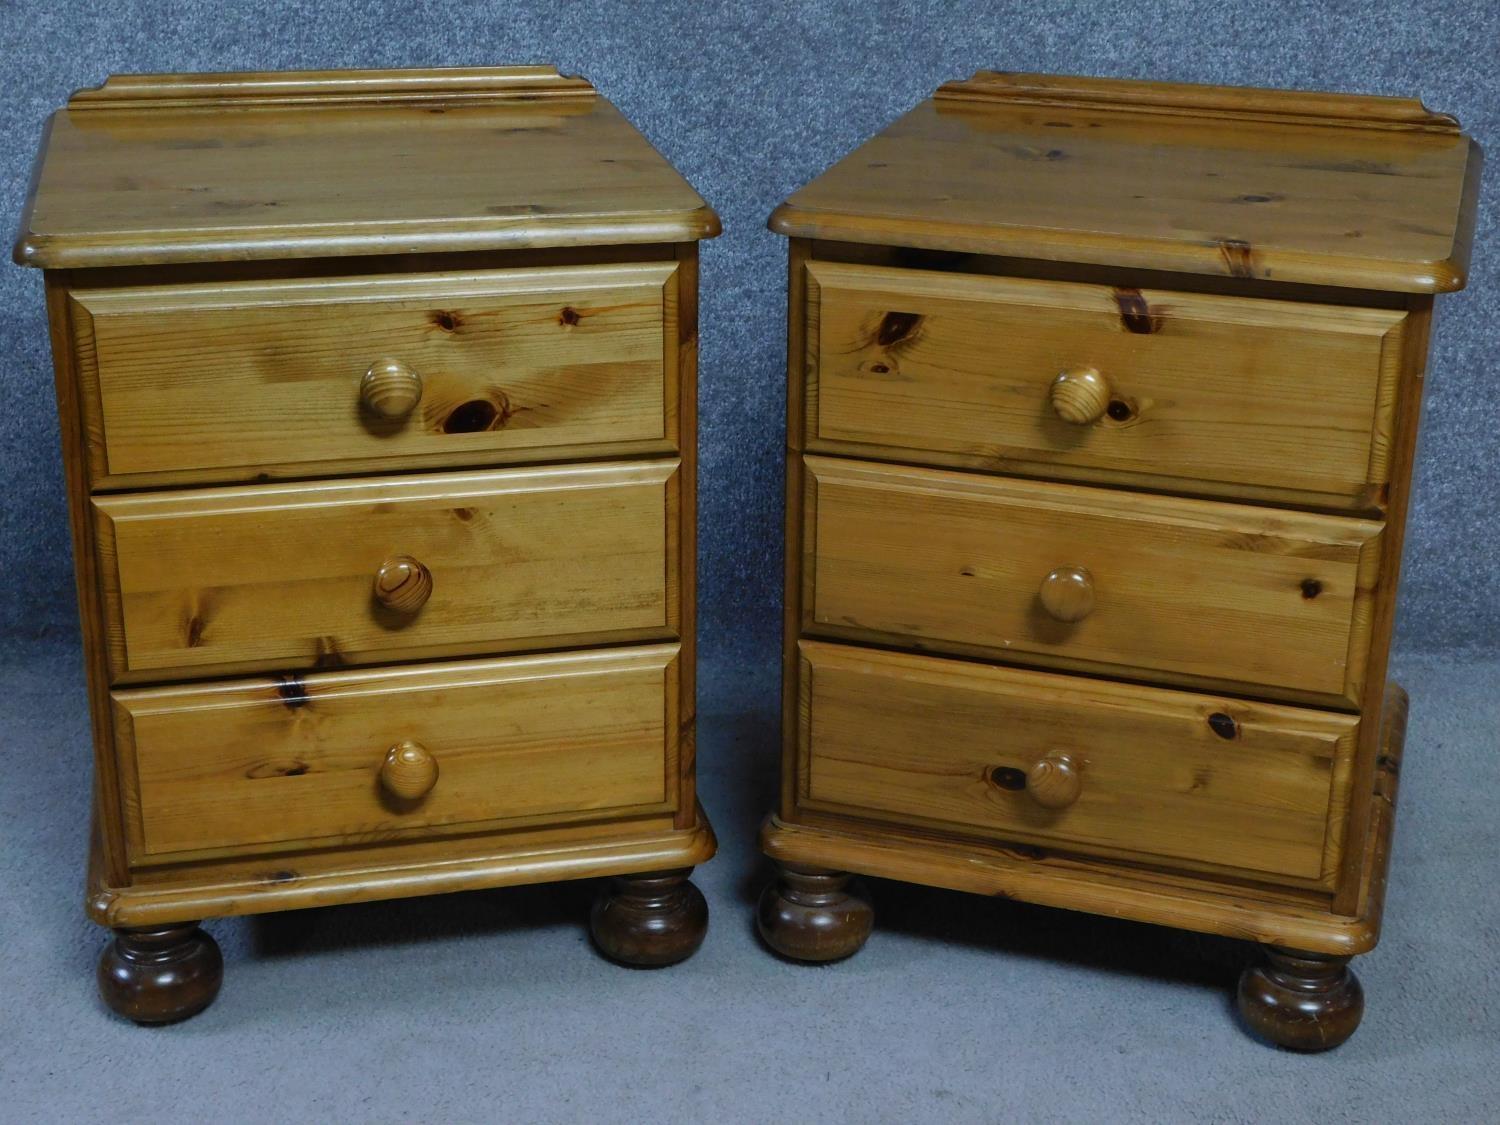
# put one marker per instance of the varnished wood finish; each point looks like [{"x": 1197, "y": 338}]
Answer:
[
  {"x": 107, "y": 836},
  {"x": 648, "y": 921},
  {"x": 402, "y": 584},
  {"x": 1291, "y": 187},
  {"x": 160, "y": 974},
  {"x": 420, "y": 369},
  {"x": 390, "y": 389},
  {"x": 1305, "y": 1001},
  {"x": 438, "y": 86},
  {"x": 242, "y": 885},
  {"x": 1379, "y": 697},
  {"x": 1067, "y": 594},
  {"x": 807, "y": 914},
  {"x": 472, "y": 273},
  {"x": 1142, "y": 892},
  {"x": 687, "y": 534},
  {"x": 337, "y": 163},
  {"x": 291, "y": 761},
  {"x": 1079, "y": 395},
  {"x": 1091, "y": 360},
  {"x": 409, "y": 771},
  {"x": 1179, "y": 591},
  {"x": 1137, "y": 383},
  {"x": 280, "y": 576},
  {"x": 1150, "y": 775},
  {"x": 1055, "y": 780}
]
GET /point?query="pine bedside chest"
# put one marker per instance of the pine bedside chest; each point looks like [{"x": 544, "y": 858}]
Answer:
[
  {"x": 1103, "y": 398},
  {"x": 377, "y": 392}
]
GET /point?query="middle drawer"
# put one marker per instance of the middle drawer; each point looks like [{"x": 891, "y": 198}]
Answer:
[
  {"x": 243, "y": 579},
  {"x": 1194, "y": 592}
]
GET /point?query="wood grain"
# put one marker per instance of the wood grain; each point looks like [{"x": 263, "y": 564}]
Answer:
[
  {"x": 406, "y": 869},
  {"x": 512, "y": 365},
  {"x": 685, "y": 406},
  {"x": 1245, "y": 912},
  {"x": 1174, "y": 332},
  {"x": 525, "y": 293},
  {"x": 1193, "y": 387},
  {"x": 1378, "y": 698},
  {"x": 442, "y": 85},
  {"x": 1116, "y": 181},
  {"x": 1164, "y": 775},
  {"x": 1185, "y": 591},
  {"x": 228, "y": 167},
  {"x": 215, "y": 581},
  {"x": 106, "y": 828},
  {"x": 282, "y": 762},
  {"x": 1236, "y": 104}
]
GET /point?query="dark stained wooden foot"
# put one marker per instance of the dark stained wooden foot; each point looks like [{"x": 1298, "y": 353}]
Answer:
[
  {"x": 647, "y": 921},
  {"x": 160, "y": 974},
  {"x": 1305, "y": 1001},
  {"x": 809, "y": 914}
]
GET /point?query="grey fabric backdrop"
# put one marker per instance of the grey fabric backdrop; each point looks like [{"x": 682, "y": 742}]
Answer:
[{"x": 750, "y": 101}]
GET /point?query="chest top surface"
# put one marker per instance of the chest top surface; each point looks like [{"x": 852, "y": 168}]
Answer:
[
  {"x": 153, "y": 169},
  {"x": 1329, "y": 189}
]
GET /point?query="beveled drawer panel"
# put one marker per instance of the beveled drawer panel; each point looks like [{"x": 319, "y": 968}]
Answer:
[
  {"x": 238, "y": 381},
  {"x": 1081, "y": 764},
  {"x": 1181, "y": 591},
  {"x": 284, "y": 576},
  {"x": 267, "y": 763},
  {"x": 1192, "y": 392}
]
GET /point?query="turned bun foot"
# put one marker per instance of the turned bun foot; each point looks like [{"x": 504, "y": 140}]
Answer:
[
  {"x": 1305, "y": 1001},
  {"x": 650, "y": 920},
  {"x": 809, "y": 914},
  {"x": 160, "y": 974}
]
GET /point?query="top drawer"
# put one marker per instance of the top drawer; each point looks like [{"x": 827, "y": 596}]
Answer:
[
  {"x": 1226, "y": 395},
  {"x": 242, "y": 380}
]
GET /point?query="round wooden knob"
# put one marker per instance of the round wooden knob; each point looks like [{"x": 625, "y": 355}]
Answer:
[
  {"x": 409, "y": 771},
  {"x": 1054, "y": 782},
  {"x": 402, "y": 584},
  {"x": 390, "y": 389},
  {"x": 1068, "y": 593},
  {"x": 1080, "y": 395}
]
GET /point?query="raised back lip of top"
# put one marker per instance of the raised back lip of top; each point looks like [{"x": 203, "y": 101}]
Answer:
[
  {"x": 329, "y": 87},
  {"x": 1359, "y": 111}
]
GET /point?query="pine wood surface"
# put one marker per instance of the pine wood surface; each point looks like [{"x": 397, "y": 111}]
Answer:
[
  {"x": 1290, "y": 187},
  {"x": 282, "y": 576},
  {"x": 1081, "y": 374},
  {"x": 1159, "y": 775},
  {"x": 201, "y": 168},
  {"x": 1144, "y": 894},
  {"x": 984, "y": 371},
  {"x": 1256, "y": 600},
  {"x": 284, "y": 761},
  {"x": 209, "y": 328},
  {"x": 406, "y": 869},
  {"x": 500, "y": 365}
]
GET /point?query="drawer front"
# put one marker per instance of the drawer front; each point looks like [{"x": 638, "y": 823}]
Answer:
[
  {"x": 267, "y": 763},
  {"x": 1080, "y": 764},
  {"x": 237, "y": 381},
  {"x": 276, "y": 577},
  {"x": 1191, "y": 391},
  {"x": 1183, "y": 591}
]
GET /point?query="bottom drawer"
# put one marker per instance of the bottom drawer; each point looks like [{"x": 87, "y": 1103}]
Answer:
[
  {"x": 1087, "y": 765},
  {"x": 267, "y": 763}
]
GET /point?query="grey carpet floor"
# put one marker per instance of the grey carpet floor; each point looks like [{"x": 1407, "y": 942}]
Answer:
[{"x": 493, "y": 1007}]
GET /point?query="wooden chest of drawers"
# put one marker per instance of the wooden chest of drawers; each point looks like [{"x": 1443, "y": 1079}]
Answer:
[
  {"x": 1102, "y": 404},
  {"x": 378, "y": 398}
]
